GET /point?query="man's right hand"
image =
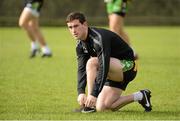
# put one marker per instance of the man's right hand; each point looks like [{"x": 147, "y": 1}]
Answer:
[{"x": 82, "y": 99}]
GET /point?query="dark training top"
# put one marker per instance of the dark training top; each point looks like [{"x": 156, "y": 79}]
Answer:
[{"x": 103, "y": 44}]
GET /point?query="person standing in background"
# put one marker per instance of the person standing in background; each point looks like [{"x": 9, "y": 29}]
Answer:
[{"x": 29, "y": 21}]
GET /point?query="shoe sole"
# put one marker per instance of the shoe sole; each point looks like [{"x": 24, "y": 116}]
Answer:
[
  {"x": 88, "y": 111},
  {"x": 44, "y": 56}
]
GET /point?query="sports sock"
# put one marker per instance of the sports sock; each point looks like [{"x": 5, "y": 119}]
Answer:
[
  {"x": 46, "y": 50},
  {"x": 34, "y": 46},
  {"x": 134, "y": 52},
  {"x": 138, "y": 96}
]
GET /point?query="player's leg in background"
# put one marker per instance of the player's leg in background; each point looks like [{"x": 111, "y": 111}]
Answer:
[
  {"x": 116, "y": 24},
  {"x": 117, "y": 10},
  {"x": 29, "y": 20},
  {"x": 34, "y": 24},
  {"x": 24, "y": 21}
]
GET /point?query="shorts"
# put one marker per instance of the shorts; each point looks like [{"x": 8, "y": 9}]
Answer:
[
  {"x": 34, "y": 6},
  {"x": 118, "y": 7},
  {"x": 129, "y": 73}
]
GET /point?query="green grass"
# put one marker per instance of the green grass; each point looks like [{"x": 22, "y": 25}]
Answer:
[{"x": 37, "y": 89}]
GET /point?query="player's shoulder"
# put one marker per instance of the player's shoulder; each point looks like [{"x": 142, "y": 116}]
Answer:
[
  {"x": 103, "y": 33},
  {"x": 98, "y": 29},
  {"x": 97, "y": 32}
]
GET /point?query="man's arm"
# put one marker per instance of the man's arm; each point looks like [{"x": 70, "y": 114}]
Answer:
[{"x": 82, "y": 59}]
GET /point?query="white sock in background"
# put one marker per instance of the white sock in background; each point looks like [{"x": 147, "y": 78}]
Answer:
[
  {"x": 138, "y": 96},
  {"x": 46, "y": 50},
  {"x": 34, "y": 46}
]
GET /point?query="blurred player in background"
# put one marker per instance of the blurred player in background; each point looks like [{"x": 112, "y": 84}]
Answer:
[
  {"x": 117, "y": 10},
  {"x": 29, "y": 21}
]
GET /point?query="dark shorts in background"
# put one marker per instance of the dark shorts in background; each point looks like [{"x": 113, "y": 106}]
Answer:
[{"x": 34, "y": 4}]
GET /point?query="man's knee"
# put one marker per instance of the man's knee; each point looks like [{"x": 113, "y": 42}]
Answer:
[
  {"x": 23, "y": 24},
  {"x": 103, "y": 105},
  {"x": 100, "y": 107},
  {"x": 92, "y": 62}
]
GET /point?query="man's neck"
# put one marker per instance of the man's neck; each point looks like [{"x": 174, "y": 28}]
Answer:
[{"x": 84, "y": 38}]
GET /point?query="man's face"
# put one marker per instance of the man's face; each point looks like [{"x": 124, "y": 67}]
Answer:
[{"x": 78, "y": 30}]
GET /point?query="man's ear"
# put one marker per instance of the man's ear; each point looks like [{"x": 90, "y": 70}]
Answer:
[{"x": 85, "y": 23}]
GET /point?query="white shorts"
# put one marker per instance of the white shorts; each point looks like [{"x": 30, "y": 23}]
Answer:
[{"x": 32, "y": 11}]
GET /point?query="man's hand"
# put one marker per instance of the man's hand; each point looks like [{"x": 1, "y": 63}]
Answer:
[
  {"x": 82, "y": 99},
  {"x": 90, "y": 101}
]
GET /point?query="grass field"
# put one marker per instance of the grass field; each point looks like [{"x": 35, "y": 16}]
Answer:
[{"x": 45, "y": 89}]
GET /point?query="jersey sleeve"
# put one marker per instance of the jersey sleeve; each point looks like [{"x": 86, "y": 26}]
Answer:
[{"x": 82, "y": 59}]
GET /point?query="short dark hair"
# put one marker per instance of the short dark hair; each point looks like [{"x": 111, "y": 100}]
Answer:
[{"x": 76, "y": 15}]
